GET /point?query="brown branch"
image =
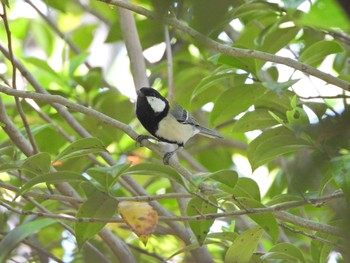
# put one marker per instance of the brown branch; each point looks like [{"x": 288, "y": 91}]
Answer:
[
  {"x": 232, "y": 51},
  {"x": 169, "y": 59},
  {"x": 14, "y": 77},
  {"x": 308, "y": 235},
  {"x": 75, "y": 49},
  {"x": 133, "y": 46},
  {"x": 64, "y": 198},
  {"x": 277, "y": 210}
]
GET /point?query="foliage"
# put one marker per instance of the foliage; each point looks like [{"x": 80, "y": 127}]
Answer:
[{"x": 64, "y": 170}]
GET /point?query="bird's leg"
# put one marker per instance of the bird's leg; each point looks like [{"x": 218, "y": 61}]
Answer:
[
  {"x": 168, "y": 155},
  {"x": 142, "y": 137}
]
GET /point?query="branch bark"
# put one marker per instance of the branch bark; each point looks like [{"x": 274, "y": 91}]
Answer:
[{"x": 232, "y": 51}]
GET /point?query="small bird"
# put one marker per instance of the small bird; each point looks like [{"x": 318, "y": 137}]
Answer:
[{"x": 172, "y": 125}]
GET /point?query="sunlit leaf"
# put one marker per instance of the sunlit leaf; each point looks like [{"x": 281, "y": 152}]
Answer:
[
  {"x": 317, "y": 52},
  {"x": 107, "y": 176},
  {"x": 247, "y": 187},
  {"x": 197, "y": 206},
  {"x": 279, "y": 86},
  {"x": 266, "y": 221},
  {"x": 254, "y": 120},
  {"x": 273, "y": 143},
  {"x": 244, "y": 246},
  {"x": 340, "y": 170},
  {"x": 235, "y": 101},
  {"x": 38, "y": 164},
  {"x": 51, "y": 178},
  {"x": 226, "y": 179},
  {"x": 98, "y": 205},
  {"x": 154, "y": 170},
  {"x": 81, "y": 147},
  {"x": 19, "y": 233},
  {"x": 76, "y": 61},
  {"x": 325, "y": 14},
  {"x": 140, "y": 217},
  {"x": 286, "y": 252}
]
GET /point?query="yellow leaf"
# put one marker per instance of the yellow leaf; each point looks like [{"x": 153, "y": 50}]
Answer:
[{"x": 140, "y": 217}]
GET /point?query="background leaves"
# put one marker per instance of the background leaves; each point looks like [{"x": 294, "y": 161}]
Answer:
[{"x": 286, "y": 133}]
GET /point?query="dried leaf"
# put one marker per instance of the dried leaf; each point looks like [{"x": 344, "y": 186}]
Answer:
[{"x": 140, "y": 217}]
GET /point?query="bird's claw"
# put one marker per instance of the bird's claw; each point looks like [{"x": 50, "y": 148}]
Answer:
[
  {"x": 167, "y": 157},
  {"x": 140, "y": 138}
]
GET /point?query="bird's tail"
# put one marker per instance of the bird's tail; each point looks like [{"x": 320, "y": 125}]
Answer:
[{"x": 209, "y": 133}]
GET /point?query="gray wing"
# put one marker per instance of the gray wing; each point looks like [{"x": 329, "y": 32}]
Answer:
[{"x": 184, "y": 117}]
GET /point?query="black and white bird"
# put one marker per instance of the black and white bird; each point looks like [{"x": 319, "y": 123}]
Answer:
[{"x": 172, "y": 125}]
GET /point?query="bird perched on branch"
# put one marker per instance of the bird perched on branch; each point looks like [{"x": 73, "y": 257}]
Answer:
[{"x": 172, "y": 125}]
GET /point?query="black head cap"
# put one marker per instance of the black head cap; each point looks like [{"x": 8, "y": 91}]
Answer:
[{"x": 149, "y": 92}]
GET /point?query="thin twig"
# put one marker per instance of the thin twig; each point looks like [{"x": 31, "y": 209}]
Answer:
[
  {"x": 233, "y": 51},
  {"x": 277, "y": 210},
  {"x": 64, "y": 198},
  {"x": 14, "y": 77},
  {"x": 169, "y": 59},
  {"x": 75, "y": 49},
  {"x": 308, "y": 235}
]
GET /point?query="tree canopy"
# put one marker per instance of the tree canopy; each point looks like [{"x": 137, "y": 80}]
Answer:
[{"x": 272, "y": 77}]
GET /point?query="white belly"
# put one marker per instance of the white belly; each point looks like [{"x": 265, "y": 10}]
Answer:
[{"x": 170, "y": 129}]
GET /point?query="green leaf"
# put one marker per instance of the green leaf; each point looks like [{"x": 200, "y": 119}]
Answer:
[
  {"x": 284, "y": 198},
  {"x": 45, "y": 72},
  {"x": 83, "y": 36},
  {"x": 81, "y": 147},
  {"x": 16, "y": 165},
  {"x": 76, "y": 61},
  {"x": 154, "y": 170},
  {"x": 254, "y": 120},
  {"x": 59, "y": 5},
  {"x": 255, "y": 10},
  {"x": 50, "y": 178},
  {"x": 279, "y": 86},
  {"x": 320, "y": 250},
  {"x": 247, "y": 187},
  {"x": 340, "y": 169},
  {"x": 243, "y": 246},
  {"x": 235, "y": 101},
  {"x": 325, "y": 14},
  {"x": 212, "y": 80},
  {"x": 6, "y": 2},
  {"x": 107, "y": 176},
  {"x": 43, "y": 65},
  {"x": 229, "y": 236},
  {"x": 286, "y": 252},
  {"x": 226, "y": 179},
  {"x": 38, "y": 164},
  {"x": 273, "y": 143},
  {"x": 197, "y": 206},
  {"x": 246, "y": 64},
  {"x": 21, "y": 232},
  {"x": 277, "y": 102},
  {"x": 98, "y": 205},
  {"x": 278, "y": 39},
  {"x": 43, "y": 36},
  {"x": 266, "y": 221},
  {"x": 316, "y": 53}
]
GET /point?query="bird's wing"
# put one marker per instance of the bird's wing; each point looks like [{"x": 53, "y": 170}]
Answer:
[{"x": 182, "y": 115}]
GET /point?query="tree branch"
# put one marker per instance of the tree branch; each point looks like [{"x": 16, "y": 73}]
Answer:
[
  {"x": 133, "y": 46},
  {"x": 277, "y": 210},
  {"x": 232, "y": 51}
]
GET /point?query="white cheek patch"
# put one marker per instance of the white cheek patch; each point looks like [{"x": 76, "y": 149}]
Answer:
[{"x": 156, "y": 104}]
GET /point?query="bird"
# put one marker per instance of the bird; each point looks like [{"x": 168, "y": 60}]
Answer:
[{"x": 167, "y": 123}]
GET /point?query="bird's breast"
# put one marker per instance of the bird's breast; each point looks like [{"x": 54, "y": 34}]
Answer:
[{"x": 172, "y": 131}]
